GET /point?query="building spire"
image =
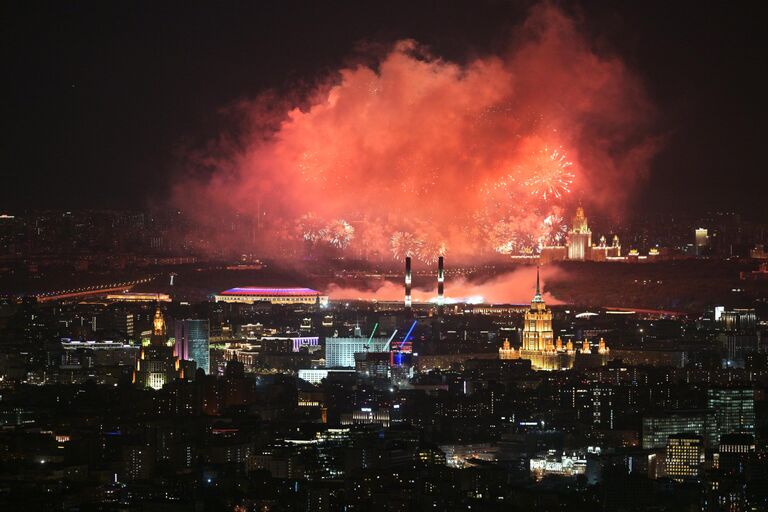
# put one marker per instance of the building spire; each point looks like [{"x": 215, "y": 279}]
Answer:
[
  {"x": 538, "y": 289},
  {"x": 158, "y": 323},
  {"x": 537, "y": 297}
]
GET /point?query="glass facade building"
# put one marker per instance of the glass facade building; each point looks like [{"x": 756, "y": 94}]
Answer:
[
  {"x": 658, "y": 427},
  {"x": 192, "y": 342},
  {"x": 734, "y": 409}
]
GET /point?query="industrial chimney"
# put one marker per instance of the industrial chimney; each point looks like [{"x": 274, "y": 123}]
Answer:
[
  {"x": 407, "y": 282},
  {"x": 440, "y": 283}
]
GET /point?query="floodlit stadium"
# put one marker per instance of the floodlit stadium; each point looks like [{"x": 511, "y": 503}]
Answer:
[{"x": 250, "y": 294}]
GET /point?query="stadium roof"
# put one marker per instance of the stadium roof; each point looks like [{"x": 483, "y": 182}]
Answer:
[{"x": 254, "y": 291}]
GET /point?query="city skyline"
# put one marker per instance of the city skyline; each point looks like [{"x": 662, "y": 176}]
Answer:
[{"x": 339, "y": 256}]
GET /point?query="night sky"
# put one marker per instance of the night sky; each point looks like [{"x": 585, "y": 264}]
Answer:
[{"x": 101, "y": 99}]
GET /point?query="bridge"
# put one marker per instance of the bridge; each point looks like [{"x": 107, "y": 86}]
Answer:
[{"x": 90, "y": 291}]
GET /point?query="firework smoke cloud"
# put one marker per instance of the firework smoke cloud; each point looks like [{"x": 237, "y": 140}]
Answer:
[{"x": 425, "y": 157}]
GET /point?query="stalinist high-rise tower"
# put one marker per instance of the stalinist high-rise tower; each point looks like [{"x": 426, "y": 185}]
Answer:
[
  {"x": 538, "y": 337},
  {"x": 579, "y": 238},
  {"x": 157, "y": 365},
  {"x": 537, "y": 331},
  {"x": 540, "y": 346}
]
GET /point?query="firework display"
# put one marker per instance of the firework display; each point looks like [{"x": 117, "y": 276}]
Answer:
[
  {"x": 310, "y": 228},
  {"x": 339, "y": 233},
  {"x": 420, "y": 156},
  {"x": 404, "y": 244},
  {"x": 430, "y": 250},
  {"x": 549, "y": 176}
]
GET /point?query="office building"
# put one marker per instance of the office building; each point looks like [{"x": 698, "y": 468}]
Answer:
[
  {"x": 340, "y": 352},
  {"x": 685, "y": 457},
  {"x": 738, "y": 320},
  {"x": 734, "y": 453},
  {"x": 738, "y": 335},
  {"x": 734, "y": 409},
  {"x": 373, "y": 365},
  {"x": 192, "y": 342},
  {"x": 658, "y": 427}
]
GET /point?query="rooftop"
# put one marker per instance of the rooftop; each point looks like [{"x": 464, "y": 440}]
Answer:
[{"x": 269, "y": 292}]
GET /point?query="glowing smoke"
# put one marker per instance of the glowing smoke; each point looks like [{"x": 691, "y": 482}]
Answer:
[
  {"x": 424, "y": 156},
  {"x": 515, "y": 287}
]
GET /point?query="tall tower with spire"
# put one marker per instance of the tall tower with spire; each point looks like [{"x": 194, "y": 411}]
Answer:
[
  {"x": 539, "y": 345},
  {"x": 157, "y": 364},
  {"x": 579, "y": 237},
  {"x": 537, "y": 329}
]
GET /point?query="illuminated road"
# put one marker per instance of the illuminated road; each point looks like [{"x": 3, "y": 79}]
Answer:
[{"x": 90, "y": 290}]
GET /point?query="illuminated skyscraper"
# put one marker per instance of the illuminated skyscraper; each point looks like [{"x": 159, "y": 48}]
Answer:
[
  {"x": 539, "y": 345},
  {"x": 580, "y": 237},
  {"x": 537, "y": 331},
  {"x": 538, "y": 336},
  {"x": 192, "y": 342},
  {"x": 157, "y": 365}
]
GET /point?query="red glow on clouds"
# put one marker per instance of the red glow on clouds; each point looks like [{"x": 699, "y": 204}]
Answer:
[
  {"x": 517, "y": 287},
  {"x": 424, "y": 156}
]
